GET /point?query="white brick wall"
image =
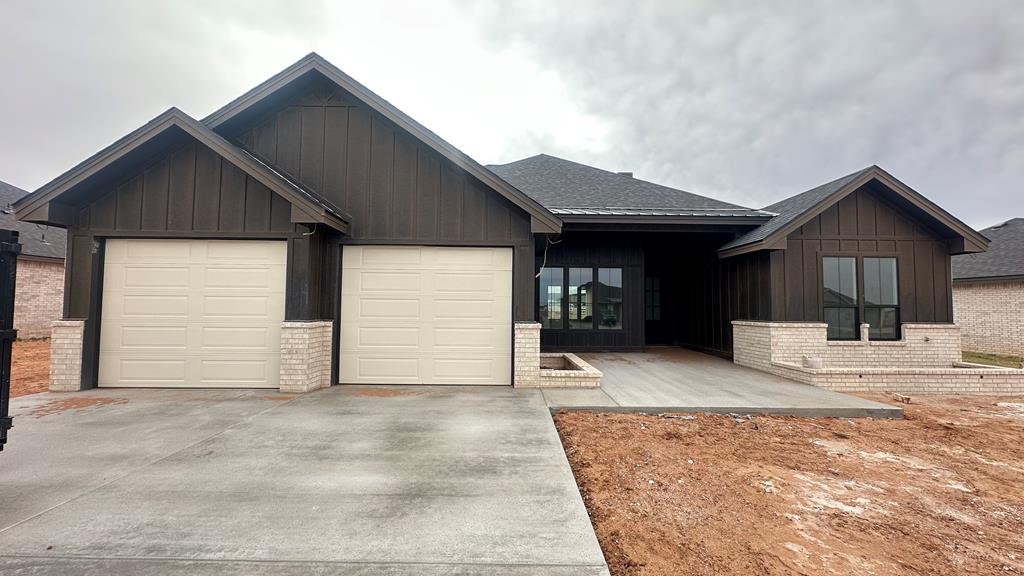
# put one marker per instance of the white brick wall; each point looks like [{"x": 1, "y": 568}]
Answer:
[
  {"x": 38, "y": 297},
  {"x": 923, "y": 345},
  {"x": 66, "y": 355},
  {"x": 990, "y": 316},
  {"x": 526, "y": 355},
  {"x": 926, "y": 361},
  {"x": 306, "y": 349}
]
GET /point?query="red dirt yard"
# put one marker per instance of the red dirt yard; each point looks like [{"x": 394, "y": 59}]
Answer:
[
  {"x": 30, "y": 367},
  {"x": 941, "y": 492}
]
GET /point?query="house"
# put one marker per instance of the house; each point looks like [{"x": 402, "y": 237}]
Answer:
[
  {"x": 988, "y": 292},
  {"x": 39, "y": 289},
  {"x": 309, "y": 233}
]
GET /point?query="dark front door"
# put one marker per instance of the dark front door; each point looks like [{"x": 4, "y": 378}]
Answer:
[{"x": 657, "y": 327}]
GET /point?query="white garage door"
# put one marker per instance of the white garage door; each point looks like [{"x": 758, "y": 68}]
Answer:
[
  {"x": 192, "y": 313},
  {"x": 426, "y": 315}
]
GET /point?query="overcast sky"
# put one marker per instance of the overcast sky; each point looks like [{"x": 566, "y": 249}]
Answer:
[{"x": 744, "y": 101}]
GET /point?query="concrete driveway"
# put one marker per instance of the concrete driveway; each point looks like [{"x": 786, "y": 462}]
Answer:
[{"x": 349, "y": 480}]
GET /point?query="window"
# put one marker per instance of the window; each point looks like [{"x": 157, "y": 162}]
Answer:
[
  {"x": 609, "y": 298},
  {"x": 550, "y": 296},
  {"x": 881, "y": 298},
  {"x": 652, "y": 298},
  {"x": 839, "y": 296},
  {"x": 581, "y": 298}
]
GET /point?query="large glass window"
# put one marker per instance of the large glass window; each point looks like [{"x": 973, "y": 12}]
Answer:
[
  {"x": 581, "y": 298},
  {"x": 609, "y": 298},
  {"x": 550, "y": 296},
  {"x": 881, "y": 298},
  {"x": 839, "y": 276}
]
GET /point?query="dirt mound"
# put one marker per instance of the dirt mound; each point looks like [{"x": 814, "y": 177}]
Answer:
[{"x": 941, "y": 492}]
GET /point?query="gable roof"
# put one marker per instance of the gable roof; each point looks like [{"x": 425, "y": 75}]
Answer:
[
  {"x": 314, "y": 208},
  {"x": 313, "y": 62},
  {"x": 36, "y": 239},
  {"x": 1005, "y": 256},
  {"x": 794, "y": 211},
  {"x": 571, "y": 189}
]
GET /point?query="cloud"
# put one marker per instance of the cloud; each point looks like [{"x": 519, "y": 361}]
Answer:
[
  {"x": 752, "y": 102},
  {"x": 748, "y": 102}
]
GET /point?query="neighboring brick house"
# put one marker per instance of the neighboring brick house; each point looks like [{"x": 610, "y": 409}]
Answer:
[
  {"x": 988, "y": 292},
  {"x": 39, "y": 293}
]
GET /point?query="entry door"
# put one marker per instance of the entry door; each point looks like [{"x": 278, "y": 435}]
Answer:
[
  {"x": 192, "y": 313},
  {"x": 426, "y": 315}
]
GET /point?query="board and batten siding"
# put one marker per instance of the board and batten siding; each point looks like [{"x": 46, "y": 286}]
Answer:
[
  {"x": 716, "y": 292},
  {"x": 603, "y": 250},
  {"x": 397, "y": 189},
  {"x": 863, "y": 224}
]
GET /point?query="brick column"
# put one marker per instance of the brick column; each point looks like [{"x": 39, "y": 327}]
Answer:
[
  {"x": 305, "y": 356},
  {"x": 66, "y": 355},
  {"x": 527, "y": 355}
]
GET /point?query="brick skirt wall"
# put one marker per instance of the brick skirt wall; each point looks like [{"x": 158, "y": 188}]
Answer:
[
  {"x": 38, "y": 297},
  {"x": 925, "y": 361},
  {"x": 990, "y": 316}
]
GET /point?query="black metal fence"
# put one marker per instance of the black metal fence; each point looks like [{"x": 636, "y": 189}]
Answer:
[{"x": 9, "y": 250}]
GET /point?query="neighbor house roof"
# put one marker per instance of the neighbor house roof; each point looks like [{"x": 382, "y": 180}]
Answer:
[
  {"x": 36, "y": 240},
  {"x": 1005, "y": 256},
  {"x": 310, "y": 206},
  {"x": 315, "y": 63},
  {"x": 573, "y": 191},
  {"x": 795, "y": 211}
]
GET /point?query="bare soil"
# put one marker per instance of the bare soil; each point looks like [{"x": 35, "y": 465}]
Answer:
[
  {"x": 30, "y": 367},
  {"x": 941, "y": 492}
]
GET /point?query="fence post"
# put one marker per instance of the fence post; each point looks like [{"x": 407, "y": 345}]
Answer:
[{"x": 9, "y": 250}]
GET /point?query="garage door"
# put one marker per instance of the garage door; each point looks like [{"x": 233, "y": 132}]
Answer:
[
  {"x": 192, "y": 313},
  {"x": 426, "y": 315}
]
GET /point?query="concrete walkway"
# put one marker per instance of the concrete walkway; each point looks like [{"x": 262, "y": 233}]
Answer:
[
  {"x": 349, "y": 480},
  {"x": 680, "y": 380}
]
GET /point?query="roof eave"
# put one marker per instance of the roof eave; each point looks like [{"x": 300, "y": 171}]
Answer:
[
  {"x": 662, "y": 219},
  {"x": 43, "y": 206},
  {"x": 969, "y": 240}
]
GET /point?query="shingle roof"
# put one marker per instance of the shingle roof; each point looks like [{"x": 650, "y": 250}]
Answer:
[
  {"x": 791, "y": 208},
  {"x": 36, "y": 239},
  {"x": 569, "y": 188},
  {"x": 1005, "y": 256}
]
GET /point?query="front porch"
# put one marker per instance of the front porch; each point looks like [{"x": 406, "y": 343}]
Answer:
[{"x": 671, "y": 379}]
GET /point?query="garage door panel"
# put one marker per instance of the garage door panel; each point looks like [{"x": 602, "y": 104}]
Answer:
[
  {"x": 433, "y": 315},
  {"x": 148, "y": 251},
  {"x": 248, "y": 338},
  {"x": 117, "y": 304},
  {"x": 465, "y": 310},
  {"x": 470, "y": 338},
  {"x": 218, "y": 329},
  {"x": 147, "y": 337},
  {"x": 234, "y": 278}
]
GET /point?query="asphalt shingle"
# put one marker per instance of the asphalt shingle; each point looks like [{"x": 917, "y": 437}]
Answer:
[
  {"x": 559, "y": 185},
  {"x": 1005, "y": 256},
  {"x": 36, "y": 239},
  {"x": 791, "y": 208}
]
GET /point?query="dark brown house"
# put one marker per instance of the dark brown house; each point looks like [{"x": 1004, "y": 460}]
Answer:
[{"x": 309, "y": 233}]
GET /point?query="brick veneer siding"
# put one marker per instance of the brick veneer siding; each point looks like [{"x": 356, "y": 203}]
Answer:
[
  {"x": 38, "y": 297},
  {"x": 923, "y": 345},
  {"x": 306, "y": 351},
  {"x": 526, "y": 355},
  {"x": 925, "y": 361},
  {"x": 990, "y": 316},
  {"x": 66, "y": 355}
]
